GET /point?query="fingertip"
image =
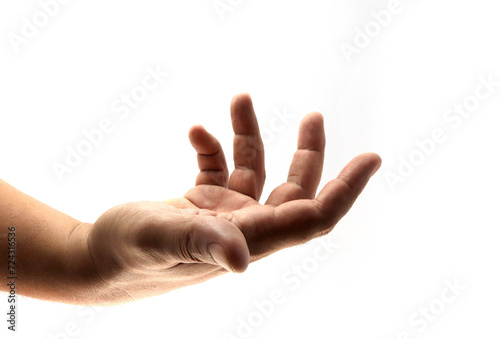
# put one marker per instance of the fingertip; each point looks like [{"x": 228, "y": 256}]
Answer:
[
  {"x": 228, "y": 246},
  {"x": 241, "y": 108},
  {"x": 374, "y": 161},
  {"x": 374, "y": 156},
  {"x": 314, "y": 119},
  {"x": 312, "y": 132},
  {"x": 202, "y": 141},
  {"x": 239, "y": 258},
  {"x": 234, "y": 257},
  {"x": 317, "y": 116},
  {"x": 242, "y": 97},
  {"x": 195, "y": 131},
  {"x": 196, "y": 128}
]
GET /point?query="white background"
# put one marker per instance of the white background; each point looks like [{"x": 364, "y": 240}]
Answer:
[{"x": 395, "y": 249}]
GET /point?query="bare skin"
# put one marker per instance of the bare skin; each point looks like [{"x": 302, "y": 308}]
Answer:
[{"x": 142, "y": 249}]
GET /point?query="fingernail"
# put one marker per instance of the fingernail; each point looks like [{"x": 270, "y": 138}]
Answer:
[{"x": 217, "y": 253}]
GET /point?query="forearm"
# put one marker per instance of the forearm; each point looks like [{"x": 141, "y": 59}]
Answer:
[{"x": 52, "y": 260}]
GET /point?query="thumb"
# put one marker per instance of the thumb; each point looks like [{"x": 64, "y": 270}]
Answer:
[{"x": 201, "y": 239}]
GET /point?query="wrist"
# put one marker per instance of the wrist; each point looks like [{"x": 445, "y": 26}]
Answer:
[
  {"x": 83, "y": 271},
  {"x": 98, "y": 278}
]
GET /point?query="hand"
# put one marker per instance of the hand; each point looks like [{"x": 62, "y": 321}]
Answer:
[{"x": 148, "y": 248}]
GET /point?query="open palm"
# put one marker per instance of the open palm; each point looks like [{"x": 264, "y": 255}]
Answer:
[
  {"x": 291, "y": 214},
  {"x": 148, "y": 248}
]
